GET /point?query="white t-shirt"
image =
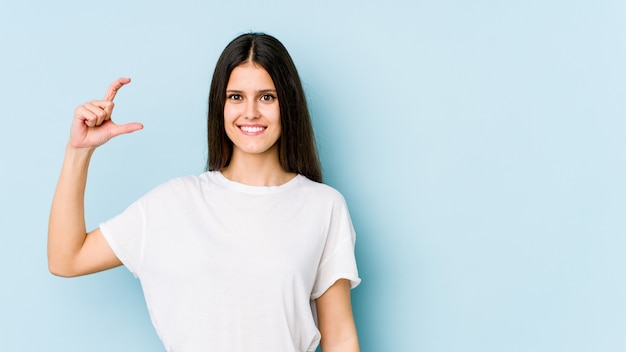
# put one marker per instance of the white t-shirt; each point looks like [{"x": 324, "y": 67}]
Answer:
[{"x": 230, "y": 267}]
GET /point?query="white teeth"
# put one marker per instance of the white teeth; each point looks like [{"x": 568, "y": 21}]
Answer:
[{"x": 251, "y": 129}]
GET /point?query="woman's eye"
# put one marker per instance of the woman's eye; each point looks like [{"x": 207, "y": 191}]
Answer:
[
  {"x": 267, "y": 97},
  {"x": 234, "y": 97}
]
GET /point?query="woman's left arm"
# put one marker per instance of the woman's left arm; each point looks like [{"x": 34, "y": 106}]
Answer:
[{"x": 335, "y": 319}]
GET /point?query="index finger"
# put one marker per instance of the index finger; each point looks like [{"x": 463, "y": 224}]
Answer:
[{"x": 114, "y": 87}]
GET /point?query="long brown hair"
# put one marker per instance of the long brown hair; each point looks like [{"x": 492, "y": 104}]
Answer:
[{"x": 296, "y": 146}]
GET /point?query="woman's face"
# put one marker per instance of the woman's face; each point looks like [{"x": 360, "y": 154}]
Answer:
[{"x": 251, "y": 111}]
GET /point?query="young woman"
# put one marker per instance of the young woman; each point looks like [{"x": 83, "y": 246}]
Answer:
[{"x": 256, "y": 254}]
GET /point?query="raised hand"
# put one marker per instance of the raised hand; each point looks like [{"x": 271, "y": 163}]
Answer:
[{"x": 92, "y": 125}]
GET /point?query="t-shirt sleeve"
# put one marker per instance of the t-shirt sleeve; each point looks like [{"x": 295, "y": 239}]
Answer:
[
  {"x": 125, "y": 235},
  {"x": 338, "y": 259}
]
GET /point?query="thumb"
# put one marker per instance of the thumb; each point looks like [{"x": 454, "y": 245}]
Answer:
[{"x": 125, "y": 128}]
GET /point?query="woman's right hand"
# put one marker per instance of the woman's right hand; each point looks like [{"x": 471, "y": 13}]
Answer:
[
  {"x": 71, "y": 252},
  {"x": 92, "y": 125}
]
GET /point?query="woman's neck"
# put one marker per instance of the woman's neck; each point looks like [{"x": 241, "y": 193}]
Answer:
[{"x": 256, "y": 170}]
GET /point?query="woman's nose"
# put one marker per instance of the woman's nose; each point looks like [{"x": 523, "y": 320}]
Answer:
[{"x": 252, "y": 110}]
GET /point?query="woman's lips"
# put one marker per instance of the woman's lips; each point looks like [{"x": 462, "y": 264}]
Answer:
[{"x": 253, "y": 130}]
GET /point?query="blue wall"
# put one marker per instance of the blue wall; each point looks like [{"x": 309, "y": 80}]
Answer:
[{"x": 480, "y": 146}]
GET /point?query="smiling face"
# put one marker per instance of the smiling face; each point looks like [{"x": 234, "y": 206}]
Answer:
[{"x": 251, "y": 112}]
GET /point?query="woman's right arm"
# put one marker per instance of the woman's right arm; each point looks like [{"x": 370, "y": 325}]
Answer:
[{"x": 71, "y": 251}]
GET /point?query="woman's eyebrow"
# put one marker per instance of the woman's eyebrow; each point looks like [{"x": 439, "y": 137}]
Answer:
[{"x": 258, "y": 91}]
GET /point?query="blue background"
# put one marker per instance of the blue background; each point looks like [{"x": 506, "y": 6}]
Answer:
[{"x": 479, "y": 144}]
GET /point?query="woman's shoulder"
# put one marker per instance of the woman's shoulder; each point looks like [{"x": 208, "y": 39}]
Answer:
[
  {"x": 321, "y": 189},
  {"x": 180, "y": 181},
  {"x": 179, "y": 185}
]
